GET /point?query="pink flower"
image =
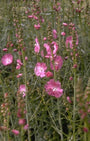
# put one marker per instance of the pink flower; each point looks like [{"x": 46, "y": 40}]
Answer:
[
  {"x": 11, "y": 45},
  {"x": 54, "y": 34},
  {"x": 42, "y": 53},
  {"x": 37, "y": 46},
  {"x": 73, "y": 1},
  {"x": 22, "y": 89},
  {"x": 70, "y": 78},
  {"x": 24, "y": 48},
  {"x": 57, "y": 7},
  {"x": 19, "y": 113},
  {"x": 71, "y": 24},
  {"x": 63, "y": 33},
  {"x": 19, "y": 62},
  {"x": 58, "y": 62},
  {"x": 48, "y": 50},
  {"x": 22, "y": 121},
  {"x": 5, "y": 49},
  {"x": 53, "y": 88},
  {"x": 16, "y": 132},
  {"x": 77, "y": 39},
  {"x": 26, "y": 127},
  {"x": 16, "y": 35},
  {"x": 69, "y": 41},
  {"x": 26, "y": 58},
  {"x": 55, "y": 47},
  {"x": 19, "y": 75},
  {"x": 88, "y": 110},
  {"x": 68, "y": 99},
  {"x": 5, "y": 95},
  {"x": 37, "y": 26},
  {"x": 49, "y": 74},
  {"x": 30, "y": 16},
  {"x": 26, "y": 12},
  {"x": 35, "y": 17},
  {"x": 18, "y": 66},
  {"x": 15, "y": 50},
  {"x": 66, "y": 58},
  {"x": 44, "y": 38},
  {"x": 7, "y": 59},
  {"x": 42, "y": 20},
  {"x": 20, "y": 53},
  {"x": 4, "y": 128},
  {"x": 74, "y": 66},
  {"x": 40, "y": 69},
  {"x": 85, "y": 129},
  {"x": 83, "y": 115},
  {"x": 65, "y": 24}
]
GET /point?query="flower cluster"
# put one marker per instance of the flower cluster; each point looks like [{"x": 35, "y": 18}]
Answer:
[
  {"x": 49, "y": 51},
  {"x": 36, "y": 15},
  {"x": 5, "y": 109}
]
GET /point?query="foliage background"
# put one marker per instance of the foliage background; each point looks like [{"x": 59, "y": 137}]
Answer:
[{"x": 43, "y": 110}]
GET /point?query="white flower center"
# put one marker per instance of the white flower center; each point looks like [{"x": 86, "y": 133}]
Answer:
[
  {"x": 54, "y": 89},
  {"x": 8, "y": 60},
  {"x": 56, "y": 63},
  {"x": 41, "y": 69}
]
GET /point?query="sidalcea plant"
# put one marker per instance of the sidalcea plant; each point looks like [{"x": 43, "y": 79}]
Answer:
[{"x": 44, "y": 48}]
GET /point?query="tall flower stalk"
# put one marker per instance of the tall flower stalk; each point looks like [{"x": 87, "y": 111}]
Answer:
[
  {"x": 74, "y": 106},
  {"x": 26, "y": 97},
  {"x": 59, "y": 111},
  {"x": 74, "y": 58},
  {"x": 59, "y": 118}
]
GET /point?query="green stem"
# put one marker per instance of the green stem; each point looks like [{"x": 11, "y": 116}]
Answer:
[
  {"x": 59, "y": 32},
  {"x": 89, "y": 136},
  {"x": 74, "y": 104},
  {"x": 59, "y": 112},
  {"x": 85, "y": 134},
  {"x": 2, "y": 83},
  {"x": 8, "y": 127},
  {"x": 59, "y": 117},
  {"x": 26, "y": 100},
  {"x": 21, "y": 133}
]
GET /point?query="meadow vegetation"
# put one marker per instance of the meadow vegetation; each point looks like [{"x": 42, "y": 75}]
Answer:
[{"x": 44, "y": 70}]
